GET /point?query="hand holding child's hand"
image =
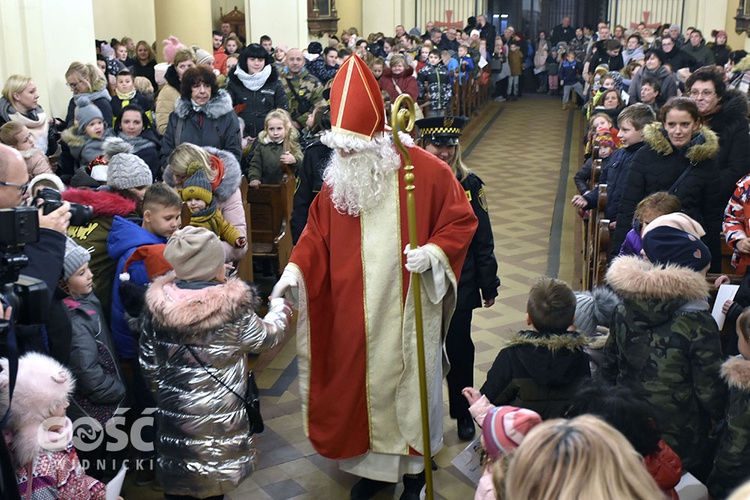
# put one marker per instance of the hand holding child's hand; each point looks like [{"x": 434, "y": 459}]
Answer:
[
  {"x": 241, "y": 242},
  {"x": 721, "y": 280},
  {"x": 579, "y": 201},
  {"x": 726, "y": 306},
  {"x": 254, "y": 184},
  {"x": 472, "y": 395},
  {"x": 288, "y": 158}
]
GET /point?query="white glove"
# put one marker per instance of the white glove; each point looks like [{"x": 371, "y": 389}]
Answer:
[
  {"x": 417, "y": 260},
  {"x": 285, "y": 283}
]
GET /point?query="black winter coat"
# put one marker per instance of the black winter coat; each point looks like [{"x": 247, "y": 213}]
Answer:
[
  {"x": 480, "y": 267},
  {"x": 539, "y": 371},
  {"x": 257, "y": 103},
  {"x": 309, "y": 184},
  {"x": 217, "y": 126},
  {"x": 730, "y": 124},
  {"x": 657, "y": 166}
]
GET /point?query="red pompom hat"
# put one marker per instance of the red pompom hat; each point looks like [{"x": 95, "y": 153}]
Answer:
[{"x": 357, "y": 107}]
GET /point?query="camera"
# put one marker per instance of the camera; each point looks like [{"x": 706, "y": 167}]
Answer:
[
  {"x": 80, "y": 215},
  {"x": 28, "y": 296}
]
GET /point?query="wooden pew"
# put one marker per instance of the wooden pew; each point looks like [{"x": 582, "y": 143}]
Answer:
[{"x": 270, "y": 210}]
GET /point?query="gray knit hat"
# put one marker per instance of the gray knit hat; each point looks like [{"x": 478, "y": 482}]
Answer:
[
  {"x": 195, "y": 253},
  {"x": 202, "y": 56},
  {"x": 85, "y": 112},
  {"x": 595, "y": 308},
  {"x": 75, "y": 257},
  {"x": 126, "y": 170}
]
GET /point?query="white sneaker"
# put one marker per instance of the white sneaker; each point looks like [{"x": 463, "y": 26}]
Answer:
[{"x": 499, "y": 99}]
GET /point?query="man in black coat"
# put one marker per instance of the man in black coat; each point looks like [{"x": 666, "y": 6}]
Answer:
[
  {"x": 676, "y": 58},
  {"x": 486, "y": 30},
  {"x": 563, "y": 32}
]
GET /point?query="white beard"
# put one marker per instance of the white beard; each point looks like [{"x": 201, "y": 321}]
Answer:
[{"x": 362, "y": 180}]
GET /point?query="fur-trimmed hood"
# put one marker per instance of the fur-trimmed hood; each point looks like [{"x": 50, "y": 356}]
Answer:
[
  {"x": 534, "y": 350},
  {"x": 194, "y": 312},
  {"x": 634, "y": 278},
  {"x": 743, "y": 65},
  {"x": 554, "y": 342},
  {"x": 105, "y": 203},
  {"x": 703, "y": 146},
  {"x": 736, "y": 371},
  {"x": 232, "y": 174},
  {"x": 72, "y": 138},
  {"x": 43, "y": 385},
  {"x": 216, "y": 107}
]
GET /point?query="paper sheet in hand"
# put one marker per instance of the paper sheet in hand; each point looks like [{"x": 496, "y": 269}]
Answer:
[
  {"x": 468, "y": 462},
  {"x": 726, "y": 292},
  {"x": 115, "y": 485}
]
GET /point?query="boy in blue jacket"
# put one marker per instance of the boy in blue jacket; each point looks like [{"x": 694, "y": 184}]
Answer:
[{"x": 569, "y": 78}]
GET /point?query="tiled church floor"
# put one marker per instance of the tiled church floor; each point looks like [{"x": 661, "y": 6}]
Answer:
[{"x": 519, "y": 150}]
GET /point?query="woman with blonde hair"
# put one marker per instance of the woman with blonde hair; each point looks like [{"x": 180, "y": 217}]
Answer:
[
  {"x": 88, "y": 80},
  {"x": 223, "y": 172},
  {"x": 19, "y": 103},
  {"x": 582, "y": 458},
  {"x": 145, "y": 62}
]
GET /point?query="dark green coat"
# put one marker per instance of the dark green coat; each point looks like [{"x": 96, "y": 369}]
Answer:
[
  {"x": 538, "y": 371},
  {"x": 732, "y": 461},
  {"x": 664, "y": 345}
]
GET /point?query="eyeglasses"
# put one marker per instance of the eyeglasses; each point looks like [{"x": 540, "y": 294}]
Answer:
[
  {"x": 699, "y": 93},
  {"x": 22, "y": 187}
]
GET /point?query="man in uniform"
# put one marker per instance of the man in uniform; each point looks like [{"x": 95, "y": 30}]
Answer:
[
  {"x": 355, "y": 335},
  {"x": 303, "y": 90}
]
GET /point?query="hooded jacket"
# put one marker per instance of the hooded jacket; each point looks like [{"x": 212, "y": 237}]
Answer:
[
  {"x": 203, "y": 445},
  {"x": 664, "y": 345},
  {"x": 85, "y": 149},
  {"x": 42, "y": 386},
  {"x": 228, "y": 198},
  {"x": 436, "y": 81},
  {"x": 256, "y": 104},
  {"x": 667, "y": 82},
  {"x": 657, "y": 166},
  {"x": 538, "y": 371},
  {"x": 93, "y": 236},
  {"x": 733, "y": 452},
  {"x": 216, "y": 125},
  {"x": 168, "y": 95},
  {"x": 405, "y": 81},
  {"x": 729, "y": 122},
  {"x": 124, "y": 238}
]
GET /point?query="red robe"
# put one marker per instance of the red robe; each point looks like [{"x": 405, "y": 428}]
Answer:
[{"x": 358, "y": 378}]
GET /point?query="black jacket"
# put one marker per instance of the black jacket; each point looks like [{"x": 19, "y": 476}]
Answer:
[
  {"x": 539, "y": 371},
  {"x": 257, "y": 103},
  {"x": 480, "y": 267},
  {"x": 678, "y": 59},
  {"x": 217, "y": 126},
  {"x": 309, "y": 184},
  {"x": 658, "y": 165},
  {"x": 730, "y": 124}
]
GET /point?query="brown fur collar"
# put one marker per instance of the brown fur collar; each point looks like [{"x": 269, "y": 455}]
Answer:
[
  {"x": 572, "y": 341},
  {"x": 743, "y": 65},
  {"x": 736, "y": 371},
  {"x": 633, "y": 277},
  {"x": 195, "y": 312},
  {"x": 72, "y": 138},
  {"x": 654, "y": 137}
]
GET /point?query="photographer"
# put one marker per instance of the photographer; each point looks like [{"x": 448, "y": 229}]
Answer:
[{"x": 45, "y": 261}]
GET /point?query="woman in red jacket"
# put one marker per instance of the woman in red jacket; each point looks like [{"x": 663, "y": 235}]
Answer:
[{"x": 399, "y": 79}]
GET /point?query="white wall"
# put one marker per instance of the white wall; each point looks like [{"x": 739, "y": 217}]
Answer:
[
  {"x": 118, "y": 18},
  {"x": 285, "y": 21}
]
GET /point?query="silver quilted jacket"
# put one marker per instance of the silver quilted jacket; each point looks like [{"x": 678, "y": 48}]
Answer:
[{"x": 203, "y": 443}]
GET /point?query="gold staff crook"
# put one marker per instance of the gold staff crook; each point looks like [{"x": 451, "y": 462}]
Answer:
[{"x": 402, "y": 119}]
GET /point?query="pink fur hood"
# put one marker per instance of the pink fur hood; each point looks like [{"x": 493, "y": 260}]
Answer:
[{"x": 193, "y": 312}]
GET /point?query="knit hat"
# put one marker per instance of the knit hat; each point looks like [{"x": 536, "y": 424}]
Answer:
[
  {"x": 86, "y": 111},
  {"x": 505, "y": 427},
  {"x": 594, "y": 308},
  {"x": 604, "y": 137},
  {"x": 677, "y": 220},
  {"x": 171, "y": 46},
  {"x": 195, "y": 253},
  {"x": 674, "y": 27},
  {"x": 668, "y": 245},
  {"x": 202, "y": 56},
  {"x": 197, "y": 186},
  {"x": 107, "y": 50},
  {"x": 126, "y": 170},
  {"x": 75, "y": 257}
]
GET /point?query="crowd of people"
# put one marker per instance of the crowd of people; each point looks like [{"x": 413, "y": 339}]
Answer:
[{"x": 144, "y": 313}]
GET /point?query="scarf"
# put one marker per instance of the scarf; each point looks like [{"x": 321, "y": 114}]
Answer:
[
  {"x": 139, "y": 143},
  {"x": 93, "y": 96},
  {"x": 198, "y": 108},
  {"x": 660, "y": 73},
  {"x": 125, "y": 97},
  {"x": 256, "y": 81}
]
